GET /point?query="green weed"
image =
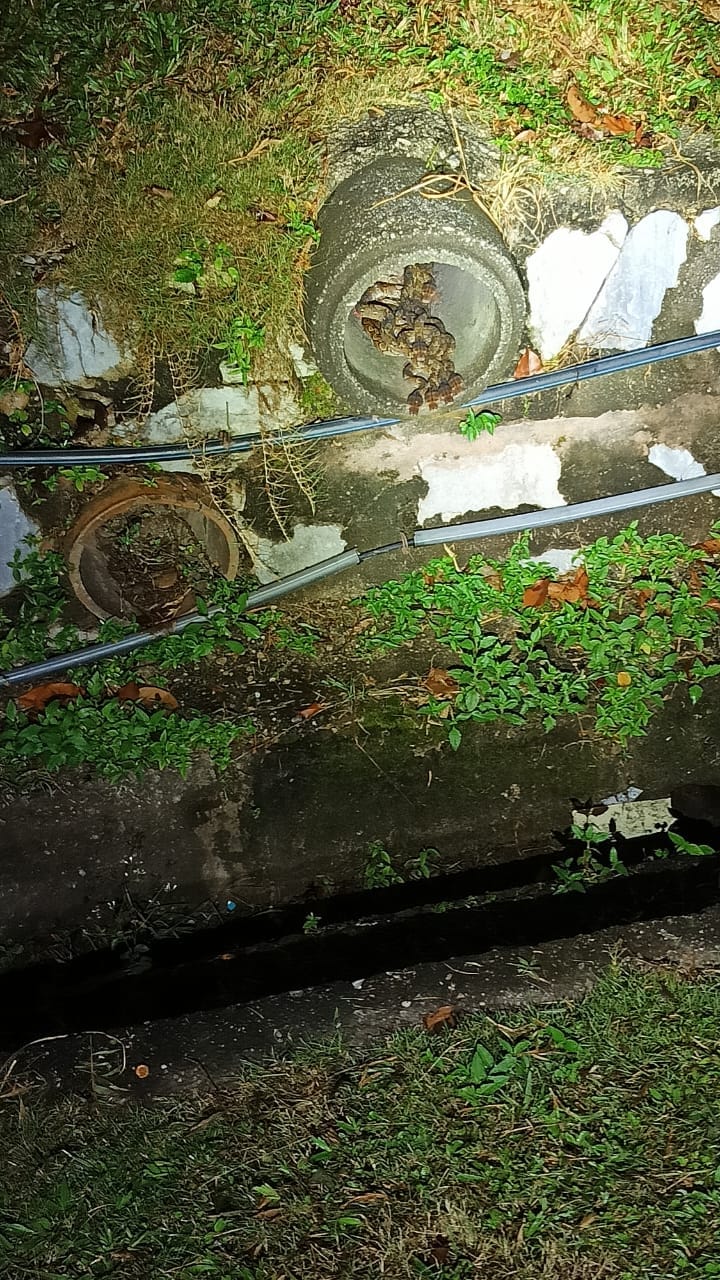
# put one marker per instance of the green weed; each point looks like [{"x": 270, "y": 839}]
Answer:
[
  {"x": 478, "y": 424},
  {"x": 645, "y": 630}
]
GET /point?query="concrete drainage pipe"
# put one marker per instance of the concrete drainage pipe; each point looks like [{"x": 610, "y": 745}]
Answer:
[{"x": 372, "y": 227}]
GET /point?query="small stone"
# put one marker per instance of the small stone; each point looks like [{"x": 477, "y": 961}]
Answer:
[
  {"x": 565, "y": 276},
  {"x": 15, "y": 529},
  {"x": 623, "y": 314}
]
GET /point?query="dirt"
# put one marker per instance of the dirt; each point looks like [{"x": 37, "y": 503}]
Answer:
[{"x": 157, "y": 562}]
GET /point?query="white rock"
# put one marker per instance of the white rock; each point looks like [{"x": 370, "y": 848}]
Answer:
[
  {"x": 308, "y": 545},
  {"x": 73, "y": 346},
  {"x": 565, "y": 276},
  {"x": 15, "y": 529},
  {"x": 709, "y": 317},
  {"x": 705, "y": 221},
  {"x": 631, "y": 819},
  {"x": 622, "y": 316},
  {"x": 521, "y": 474}
]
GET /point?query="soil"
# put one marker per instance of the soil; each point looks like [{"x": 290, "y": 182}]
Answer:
[{"x": 157, "y": 562}]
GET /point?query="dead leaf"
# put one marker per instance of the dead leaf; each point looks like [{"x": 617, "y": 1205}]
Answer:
[
  {"x": 440, "y": 684},
  {"x": 12, "y": 400},
  {"x": 147, "y": 695},
  {"x": 713, "y": 604},
  {"x": 712, "y": 545},
  {"x": 263, "y": 145},
  {"x": 314, "y": 709},
  {"x": 37, "y": 698},
  {"x": 587, "y": 1221},
  {"x": 694, "y": 585},
  {"x": 526, "y": 135},
  {"x": 162, "y": 193},
  {"x": 624, "y": 679},
  {"x": 442, "y": 1019},
  {"x": 214, "y": 200},
  {"x": 616, "y": 125},
  {"x": 528, "y": 364},
  {"x": 263, "y": 215},
  {"x": 142, "y": 1071},
  {"x": 536, "y": 595},
  {"x": 440, "y": 1250},
  {"x": 581, "y": 108},
  {"x": 367, "y": 1197},
  {"x": 268, "y": 1215}
]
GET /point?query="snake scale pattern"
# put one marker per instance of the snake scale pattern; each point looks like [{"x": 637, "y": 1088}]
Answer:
[{"x": 396, "y": 316}]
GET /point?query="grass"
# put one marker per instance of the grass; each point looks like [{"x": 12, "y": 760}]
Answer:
[
  {"x": 142, "y": 97},
  {"x": 565, "y": 1144}
]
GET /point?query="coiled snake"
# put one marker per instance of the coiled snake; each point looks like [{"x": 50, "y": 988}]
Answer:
[{"x": 395, "y": 315}]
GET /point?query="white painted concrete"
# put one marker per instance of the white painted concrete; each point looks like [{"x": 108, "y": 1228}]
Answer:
[
  {"x": 630, "y": 301},
  {"x": 15, "y": 528},
  {"x": 74, "y": 348},
  {"x": 706, "y": 221},
  {"x": 709, "y": 317},
  {"x": 308, "y": 545},
  {"x": 679, "y": 464},
  {"x": 517, "y": 475},
  {"x": 565, "y": 276}
]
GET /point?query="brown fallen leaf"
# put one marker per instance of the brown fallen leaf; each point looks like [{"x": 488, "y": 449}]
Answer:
[
  {"x": 314, "y": 709},
  {"x": 528, "y": 364},
  {"x": 161, "y": 193},
  {"x": 37, "y": 698},
  {"x": 587, "y": 1221},
  {"x": 694, "y": 585},
  {"x": 268, "y": 1215},
  {"x": 581, "y": 108},
  {"x": 526, "y": 135},
  {"x": 147, "y": 695},
  {"x": 713, "y": 604},
  {"x": 616, "y": 125},
  {"x": 439, "y": 1250},
  {"x": 367, "y": 1197},
  {"x": 440, "y": 684},
  {"x": 12, "y": 400},
  {"x": 712, "y": 545},
  {"x": 257, "y": 150},
  {"x": 536, "y": 595},
  {"x": 442, "y": 1019},
  {"x": 214, "y": 200},
  {"x": 142, "y": 1071}
]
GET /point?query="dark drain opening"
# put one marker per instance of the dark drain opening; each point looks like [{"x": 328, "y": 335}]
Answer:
[{"x": 96, "y": 992}]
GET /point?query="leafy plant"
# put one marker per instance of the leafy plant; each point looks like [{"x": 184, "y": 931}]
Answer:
[
  {"x": 311, "y": 923},
  {"x": 689, "y": 847},
  {"x": 645, "y": 622},
  {"x": 478, "y": 424},
  {"x": 80, "y": 477},
  {"x": 242, "y": 337},
  {"x": 379, "y": 872},
  {"x": 115, "y": 738},
  {"x": 298, "y": 225},
  {"x": 585, "y": 868}
]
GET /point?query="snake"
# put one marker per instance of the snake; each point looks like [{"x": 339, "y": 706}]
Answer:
[{"x": 396, "y": 316}]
